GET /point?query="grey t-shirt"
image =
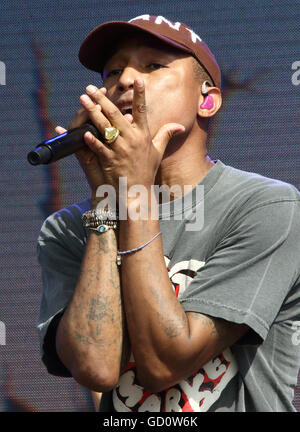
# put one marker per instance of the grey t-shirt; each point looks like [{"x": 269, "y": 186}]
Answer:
[{"x": 232, "y": 252}]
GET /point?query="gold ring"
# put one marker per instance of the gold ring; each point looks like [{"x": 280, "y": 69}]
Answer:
[{"x": 111, "y": 134}]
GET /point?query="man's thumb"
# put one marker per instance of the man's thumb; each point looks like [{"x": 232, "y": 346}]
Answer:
[{"x": 165, "y": 133}]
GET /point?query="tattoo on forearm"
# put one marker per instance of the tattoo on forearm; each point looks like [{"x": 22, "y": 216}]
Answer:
[
  {"x": 100, "y": 314},
  {"x": 82, "y": 338},
  {"x": 88, "y": 340},
  {"x": 114, "y": 278},
  {"x": 205, "y": 321},
  {"x": 173, "y": 324},
  {"x": 97, "y": 310},
  {"x": 172, "y": 327},
  {"x": 102, "y": 244}
]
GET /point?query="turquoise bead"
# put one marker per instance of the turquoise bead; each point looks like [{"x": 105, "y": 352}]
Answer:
[{"x": 102, "y": 228}]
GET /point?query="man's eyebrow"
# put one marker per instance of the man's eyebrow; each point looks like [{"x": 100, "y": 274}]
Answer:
[{"x": 167, "y": 53}]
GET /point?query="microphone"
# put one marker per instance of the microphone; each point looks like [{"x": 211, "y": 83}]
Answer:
[{"x": 61, "y": 145}]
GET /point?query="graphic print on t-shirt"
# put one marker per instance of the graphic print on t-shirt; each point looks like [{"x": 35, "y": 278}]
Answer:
[{"x": 193, "y": 394}]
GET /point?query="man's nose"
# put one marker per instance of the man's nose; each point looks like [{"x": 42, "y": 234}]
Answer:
[{"x": 127, "y": 78}]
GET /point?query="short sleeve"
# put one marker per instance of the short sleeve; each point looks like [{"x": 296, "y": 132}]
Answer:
[
  {"x": 59, "y": 251},
  {"x": 252, "y": 269}
]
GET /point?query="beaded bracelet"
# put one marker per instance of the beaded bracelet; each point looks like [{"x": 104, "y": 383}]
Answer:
[
  {"x": 135, "y": 249},
  {"x": 104, "y": 227},
  {"x": 100, "y": 220}
]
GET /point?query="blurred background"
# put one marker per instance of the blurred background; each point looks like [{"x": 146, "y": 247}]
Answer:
[{"x": 255, "y": 42}]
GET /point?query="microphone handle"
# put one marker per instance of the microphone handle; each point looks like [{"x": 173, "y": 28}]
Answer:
[{"x": 61, "y": 145}]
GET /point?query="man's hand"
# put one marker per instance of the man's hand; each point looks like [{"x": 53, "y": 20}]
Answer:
[
  {"x": 134, "y": 154},
  {"x": 87, "y": 158}
]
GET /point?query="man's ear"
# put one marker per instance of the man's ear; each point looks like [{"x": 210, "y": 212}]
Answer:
[{"x": 210, "y": 101}]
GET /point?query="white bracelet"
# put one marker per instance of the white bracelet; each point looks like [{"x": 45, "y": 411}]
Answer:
[{"x": 135, "y": 249}]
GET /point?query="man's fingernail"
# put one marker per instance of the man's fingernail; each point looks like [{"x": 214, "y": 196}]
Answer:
[
  {"x": 89, "y": 136},
  {"x": 84, "y": 98},
  {"x": 91, "y": 89},
  {"x": 139, "y": 82}
]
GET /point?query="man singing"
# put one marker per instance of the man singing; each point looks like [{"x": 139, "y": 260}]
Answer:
[{"x": 158, "y": 312}]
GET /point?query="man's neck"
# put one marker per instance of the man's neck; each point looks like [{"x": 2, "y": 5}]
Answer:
[{"x": 186, "y": 166}]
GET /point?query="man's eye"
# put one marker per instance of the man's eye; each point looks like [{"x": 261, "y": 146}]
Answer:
[
  {"x": 112, "y": 73},
  {"x": 155, "y": 66}
]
